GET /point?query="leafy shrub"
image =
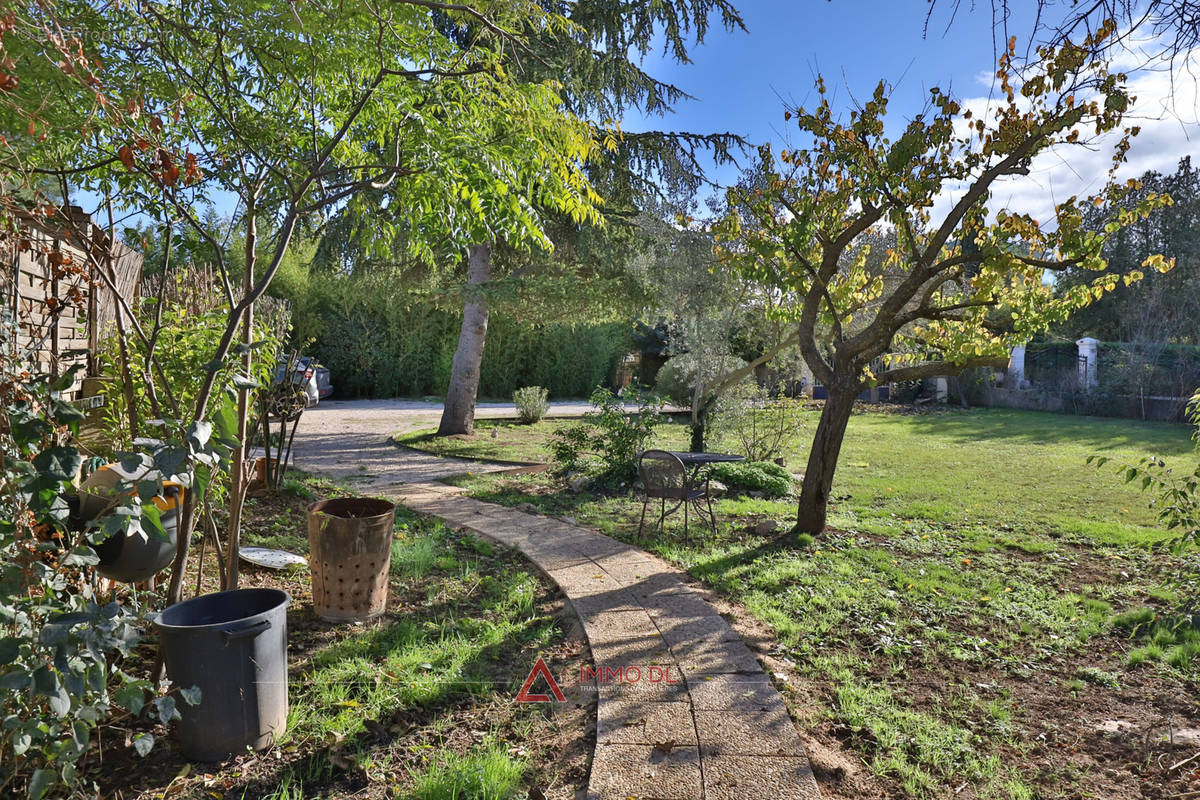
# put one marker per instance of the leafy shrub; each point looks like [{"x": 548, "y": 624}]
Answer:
[
  {"x": 531, "y": 403},
  {"x": 294, "y": 487},
  {"x": 186, "y": 341},
  {"x": 754, "y": 476},
  {"x": 677, "y": 378},
  {"x": 607, "y": 442},
  {"x": 60, "y": 650},
  {"x": 756, "y": 424}
]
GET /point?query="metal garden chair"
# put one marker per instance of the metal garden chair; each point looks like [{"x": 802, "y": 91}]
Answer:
[{"x": 664, "y": 477}]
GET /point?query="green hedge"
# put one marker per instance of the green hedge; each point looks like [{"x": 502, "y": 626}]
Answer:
[
  {"x": 378, "y": 341},
  {"x": 1169, "y": 370}
]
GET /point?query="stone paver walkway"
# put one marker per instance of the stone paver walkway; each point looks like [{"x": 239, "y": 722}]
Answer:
[{"x": 718, "y": 731}]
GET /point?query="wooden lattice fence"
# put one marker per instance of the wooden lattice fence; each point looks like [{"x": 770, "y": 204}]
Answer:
[{"x": 57, "y": 306}]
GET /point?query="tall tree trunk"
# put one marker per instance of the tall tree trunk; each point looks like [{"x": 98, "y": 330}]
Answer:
[
  {"x": 822, "y": 461},
  {"x": 458, "y": 415}
]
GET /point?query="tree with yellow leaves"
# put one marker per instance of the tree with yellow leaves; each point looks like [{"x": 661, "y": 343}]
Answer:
[{"x": 964, "y": 282}]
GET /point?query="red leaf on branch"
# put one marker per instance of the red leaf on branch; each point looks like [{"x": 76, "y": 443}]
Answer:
[
  {"x": 8, "y": 82},
  {"x": 191, "y": 172},
  {"x": 126, "y": 156}
]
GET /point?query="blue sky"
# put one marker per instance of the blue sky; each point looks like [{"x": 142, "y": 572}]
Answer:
[{"x": 740, "y": 81}]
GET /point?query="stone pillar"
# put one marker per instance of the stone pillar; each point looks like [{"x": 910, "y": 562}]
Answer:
[
  {"x": 1089, "y": 363},
  {"x": 941, "y": 389},
  {"x": 806, "y": 380},
  {"x": 1015, "y": 376}
]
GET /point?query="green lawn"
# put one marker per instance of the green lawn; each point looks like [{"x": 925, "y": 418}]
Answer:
[
  {"x": 493, "y": 440},
  {"x": 959, "y": 617},
  {"x": 418, "y": 704}
]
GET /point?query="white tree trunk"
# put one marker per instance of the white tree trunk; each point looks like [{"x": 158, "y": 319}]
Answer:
[{"x": 458, "y": 415}]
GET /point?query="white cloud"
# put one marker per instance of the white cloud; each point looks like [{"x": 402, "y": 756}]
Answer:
[{"x": 1167, "y": 109}]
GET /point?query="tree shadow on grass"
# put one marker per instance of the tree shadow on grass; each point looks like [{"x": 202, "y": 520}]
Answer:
[
  {"x": 337, "y": 767},
  {"x": 1046, "y": 428}
]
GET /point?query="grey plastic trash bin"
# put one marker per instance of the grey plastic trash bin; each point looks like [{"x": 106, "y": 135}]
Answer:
[{"x": 233, "y": 646}]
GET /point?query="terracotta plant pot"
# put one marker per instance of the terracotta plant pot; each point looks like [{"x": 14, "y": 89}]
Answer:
[{"x": 260, "y": 468}]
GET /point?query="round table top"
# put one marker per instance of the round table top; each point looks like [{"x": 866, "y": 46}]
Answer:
[{"x": 706, "y": 458}]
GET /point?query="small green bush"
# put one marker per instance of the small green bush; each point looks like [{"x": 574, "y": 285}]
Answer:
[
  {"x": 295, "y": 487},
  {"x": 756, "y": 422},
  {"x": 754, "y": 476},
  {"x": 531, "y": 403},
  {"x": 608, "y": 441}
]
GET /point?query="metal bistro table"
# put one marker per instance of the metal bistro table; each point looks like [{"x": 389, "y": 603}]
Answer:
[
  {"x": 671, "y": 475},
  {"x": 697, "y": 462}
]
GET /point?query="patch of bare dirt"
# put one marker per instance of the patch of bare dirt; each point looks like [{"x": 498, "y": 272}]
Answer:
[{"x": 1111, "y": 743}]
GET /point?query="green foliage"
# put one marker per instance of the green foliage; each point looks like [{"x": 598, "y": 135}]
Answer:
[
  {"x": 607, "y": 442},
  {"x": 1133, "y": 623},
  {"x": 186, "y": 341},
  {"x": 1171, "y": 638},
  {"x": 487, "y": 773},
  {"x": 754, "y": 476},
  {"x": 478, "y": 135},
  {"x": 294, "y": 487},
  {"x": 913, "y": 746},
  {"x": 677, "y": 378},
  {"x": 1145, "y": 367},
  {"x": 60, "y": 650},
  {"x": 759, "y": 426},
  {"x": 1161, "y": 309},
  {"x": 1098, "y": 677},
  {"x": 531, "y": 403},
  {"x": 413, "y": 558},
  {"x": 380, "y": 337}
]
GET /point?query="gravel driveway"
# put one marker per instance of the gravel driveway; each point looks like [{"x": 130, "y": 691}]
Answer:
[{"x": 351, "y": 440}]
